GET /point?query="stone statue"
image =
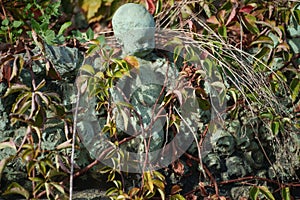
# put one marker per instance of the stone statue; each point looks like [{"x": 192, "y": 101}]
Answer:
[
  {"x": 134, "y": 28},
  {"x": 136, "y": 99}
]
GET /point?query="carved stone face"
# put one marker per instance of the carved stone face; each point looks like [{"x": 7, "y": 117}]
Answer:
[
  {"x": 223, "y": 143},
  {"x": 243, "y": 143},
  {"x": 134, "y": 28},
  {"x": 235, "y": 167},
  {"x": 212, "y": 161}
]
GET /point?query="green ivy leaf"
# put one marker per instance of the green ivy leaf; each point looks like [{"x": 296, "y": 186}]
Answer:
[
  {"x": 90, "y": 34},
  {"x": 203, "y": 104},
  {"x": 5, "y": 22},
  {"x": 267, "y": 115},
  {"x": 286, "y": 193},
  {"x": 40, "y": 117},
  {"x": 101, "y": 39},
  {"x": 275, "y": 127},
  {"x": 249, "y": 22},
  {"x": 49, "y": 36},
  {"x": 222, "y": 30},
  {"x": 64, "y": 27},
  {"x": 17, "y": 24},
  {"x": 263, "y": 40},
  {"x": 254, "y": 191},
  {"x": 296, "y": 14},
  {"x": 92, "y": 49},
  {"x": 158, "y": 7},
  {"x": 262, "y": 52}
]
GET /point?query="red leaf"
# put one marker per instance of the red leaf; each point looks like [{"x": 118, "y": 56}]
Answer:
[
  {"x": 231, "y": 16},
  {"x": 246, "y": 9},
  {"x": 5, "y": 73},
  {"x": 150, "y": 6}
]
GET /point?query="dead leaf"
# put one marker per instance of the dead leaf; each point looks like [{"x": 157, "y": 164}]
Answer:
[
  {"x": 202, "y": 189},
  {"x": 51, "y": 71},
  {"x": 17, "y": 67},
  {"x": 191, "y": 197},
  {"x": 179, "y": 96},
  {"x": 5, "y": 73},
  {"x": 175, "y": 189},
  {"x": 213, "y": 20},
  {"x": 132, "y": 61},
  {"x": 221, "y": 15},
  {"x": 178, "y": 168}
]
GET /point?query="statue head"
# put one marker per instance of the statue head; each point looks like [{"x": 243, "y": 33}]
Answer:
[
  {"x": 134, "y": 28},
  {"x": 223, "y": 143},
  {"x": 235, "y": 167}
]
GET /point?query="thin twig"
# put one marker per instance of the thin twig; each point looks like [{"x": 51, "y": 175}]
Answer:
[
  {"x": 73, "y": 146},
  {"x": 209, "y": 174}
]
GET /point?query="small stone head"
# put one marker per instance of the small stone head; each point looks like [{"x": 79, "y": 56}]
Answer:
[
  {"x": 134, "y": 28},
  {"x": 235, "y": 167},
  {"x": 212, "y": 161},
  {"x": 223, "y": 143}
]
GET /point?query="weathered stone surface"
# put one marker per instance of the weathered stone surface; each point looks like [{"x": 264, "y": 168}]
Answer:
[
  {"x": 91, "y": 194},
  {"x": 134, "y": 27}
]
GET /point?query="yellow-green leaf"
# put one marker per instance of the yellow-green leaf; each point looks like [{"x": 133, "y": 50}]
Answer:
[
  {"x": 64, "y": 145},
  {"x": 3, "y": 163},
  {"x": 16, "y": 88},
  {"x": 275, "y": 127},
  {"x": 264, "y": 190},
  {"x": 90, "y": 7},
  {"x": 9, "y": 144},
  {"x": 162, "y": 193},
  {"x": 88, "y": 68},
  {"x": 133, "y": 191},
  {"x": 58, "y": 187},
  {"x": 263, "y": 40},
  {"x": 15, "y": 188},
  {"x": 286, "y": 193},
  {"x": 295, "y": 88},
  {"x": 149, "y": 181}
]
